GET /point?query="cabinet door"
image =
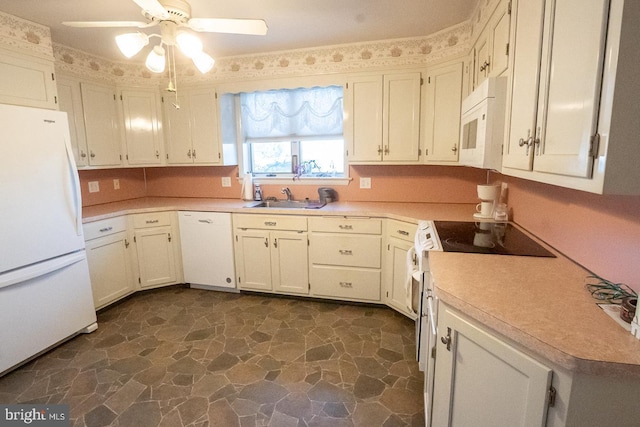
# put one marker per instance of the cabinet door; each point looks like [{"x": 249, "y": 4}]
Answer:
[
  {"x": 204, "y": 126},
  {"x": 253, "y": 255},
  {"x": 156, "y": 259},
  {"x": 527, "y": 49},
  {"x": 101, "y": 124},
  {"x": 481, "y": 61},
  {"x": 401, "y": 117},
  {"x": 572, "y": 75},
  {"x": 70, "y": 101},
  {"x": 396, "y": 264},
  {"x": 178, "y": 129},
  {"x": 109, "y": 268},
  {"x": 142, "y": 136},
  {"x": 482, "y": 381},
  {"x": 363, "y": 126},
  {"x": 443, "y": 99},
  {"x": 289, "y": 262},
  {"x": 499, "y": 26},
  {"x": 28, "y": 81}
]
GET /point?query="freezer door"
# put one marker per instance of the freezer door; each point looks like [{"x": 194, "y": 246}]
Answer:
[
  {"x": 40, "y": 205},
  {"x": 42, "y": 305}
]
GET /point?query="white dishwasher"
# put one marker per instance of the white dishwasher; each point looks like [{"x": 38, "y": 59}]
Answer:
[{"x": 207, "y": 249}]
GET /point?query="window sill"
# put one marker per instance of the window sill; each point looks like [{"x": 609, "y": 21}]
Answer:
[{"x": 301, "y": 181}]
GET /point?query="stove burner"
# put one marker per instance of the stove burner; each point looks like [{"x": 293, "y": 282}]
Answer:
[{"x": 487, "y": 238}]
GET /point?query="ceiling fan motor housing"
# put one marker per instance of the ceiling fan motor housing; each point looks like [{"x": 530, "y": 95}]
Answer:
[{"x": 179, "y": 11}]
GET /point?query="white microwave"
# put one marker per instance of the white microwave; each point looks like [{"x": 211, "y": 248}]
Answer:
[{"x": 482, "y": 125}]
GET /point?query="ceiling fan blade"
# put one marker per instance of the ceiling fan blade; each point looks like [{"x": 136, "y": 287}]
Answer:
[
  {"x": 234, "y": 26},
  {"x": 105, "y": 24},
  {"x": 153, "y": 7}
]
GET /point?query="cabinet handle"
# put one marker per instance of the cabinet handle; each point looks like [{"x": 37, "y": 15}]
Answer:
[
  {"x": 157, "y": 154},
  {"x": 447, "y": 340},
  {"x": 92, "y": 154},
  {"x": 454, "y": 148},
  {"x": 485, "y": 66},
  {"x": 345, "y": 252},
  {"x": 346, "y": 284},
  {"x": 386, "y": 149},
  {"x": 402, "y": 232},
  {"x": 189, "y": 154},
  {"x": 345, "y": 227},
  {"x": 126, "y": 243},
  {"x": 275, "y": 243},
  {"x": 104, "y": 230},
  {"x": 270, "y": 223},
  {"x": 206, "y": 221},
  {"x": 379, "y": 149},
  {"x": 194, "y": 153},
  {"x": 152, "y": 221},
  {"x": 528, "y": 142},
  {"x": 169, "y": 236},
  {"x": 83, "y": 154},
  {"x": 266, "y": 242}
]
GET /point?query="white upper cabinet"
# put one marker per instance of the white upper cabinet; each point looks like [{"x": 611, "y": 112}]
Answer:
[
  {"x": 27, "y": 80},
  {"x": 70, "y": 101},
  {"x": 570, "y": 58},
  {"x": 491, "y": 50},
  {"x": 101, "y": 124},
  {"x": 441, "y": 119},
  {"x": 382, "y": 121},
  {"x": 192, "y": 131},
  {"x": 142, "y": 126}
]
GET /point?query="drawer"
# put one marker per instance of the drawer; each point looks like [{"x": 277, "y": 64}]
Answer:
[
  {"x": 270, "y": 222},
  {"x": 345, "y": 283},
  {"x": 401, "y": 230},
  {"x": 157, "y": 219},
  {"x": 105, "y": 227},
  {"x": 345, "y": 250},
  {"x": 346, "y": 225}
]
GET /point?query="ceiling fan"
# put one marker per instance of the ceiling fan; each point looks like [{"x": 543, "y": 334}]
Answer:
[
  {"x": 174, "y": 17},
  {"x": 179, "y": 12}
]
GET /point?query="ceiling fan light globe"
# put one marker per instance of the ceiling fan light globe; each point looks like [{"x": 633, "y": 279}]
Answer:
[
  {"x": 189, "y": 44},
  {"x": 156, "y": 60},
  {"x": 131, "y": 43},
  {"x": 203, "y": 62}
]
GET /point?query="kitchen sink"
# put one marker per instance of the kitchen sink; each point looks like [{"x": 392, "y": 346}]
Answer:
[{"x": 288, "y": 204}]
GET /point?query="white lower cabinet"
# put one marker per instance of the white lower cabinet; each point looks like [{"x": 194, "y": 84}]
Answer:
[
  {"x": 156, "y": 248},
  {"x": 271, "y": 253},
  {"x": 345, "y": 258},
  {"x": 109, "y": 256},
  {"x": 400, "y": 240},
  {"x": 206, "y": 239},
  {"x": 482, "y": 381}
]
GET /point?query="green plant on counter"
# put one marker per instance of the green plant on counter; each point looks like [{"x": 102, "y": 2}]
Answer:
[{"x": 606, "y": 290}]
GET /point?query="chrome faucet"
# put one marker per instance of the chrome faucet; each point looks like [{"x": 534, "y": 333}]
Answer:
[{"x": 285, "y": 190}]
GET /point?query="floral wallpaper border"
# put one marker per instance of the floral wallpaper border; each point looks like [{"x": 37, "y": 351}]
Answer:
[
  {"x": 326, "y": 59},
  {"x": 25, "y": 36}
]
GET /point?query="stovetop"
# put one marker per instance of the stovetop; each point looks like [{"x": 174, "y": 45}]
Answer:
[{"x": 487, "y": 238}]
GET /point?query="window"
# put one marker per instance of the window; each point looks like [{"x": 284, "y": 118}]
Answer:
[{"x": 295, "y": 132}]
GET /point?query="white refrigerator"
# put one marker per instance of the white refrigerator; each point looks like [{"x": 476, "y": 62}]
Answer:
[{"x": 45, "y": 290}]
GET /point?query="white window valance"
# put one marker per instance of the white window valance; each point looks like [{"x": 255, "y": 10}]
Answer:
[{"x": 304, "y": 112}]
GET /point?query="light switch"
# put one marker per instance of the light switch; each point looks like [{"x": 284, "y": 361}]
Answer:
[
  {"x": 116, "y": 184},
  {"x": 226, "y": 181},
  {"x": 365, "y": 182},
  {"x": 94, "y": 186}
]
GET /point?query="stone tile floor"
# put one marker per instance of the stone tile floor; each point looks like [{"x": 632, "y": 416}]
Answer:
[{"x": 186, "y": 357}]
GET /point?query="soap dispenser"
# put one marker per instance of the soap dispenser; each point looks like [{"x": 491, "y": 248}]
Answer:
[{"x": 258, "y": 193}]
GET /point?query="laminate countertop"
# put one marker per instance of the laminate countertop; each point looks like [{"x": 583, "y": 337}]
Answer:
[{"x": 541, "y": 304}]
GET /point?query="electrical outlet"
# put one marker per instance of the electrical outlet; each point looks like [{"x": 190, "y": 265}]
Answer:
[
  {"x": 365, "y": 182},
  {"x": 116, "y": 184},
  {"x": 226, "y": 181},
  {"x": 94, "y": 186}
]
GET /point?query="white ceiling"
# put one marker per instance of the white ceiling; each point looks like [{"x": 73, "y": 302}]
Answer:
[{"x": 293, "y": 24}]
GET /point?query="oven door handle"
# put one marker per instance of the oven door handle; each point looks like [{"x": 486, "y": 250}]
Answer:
[{"x": 432, "y": 322}]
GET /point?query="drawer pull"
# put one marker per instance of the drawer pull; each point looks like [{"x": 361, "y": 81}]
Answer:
[
  {"x": 206, "y": 221},
  {"x": 345, "y": 252},
  {"x": 346, "y": 227},
  {"x": 402, "y": 232},
  {"x": 346, "y": 284},
  {"x": 270, "y": 223},
  {"x": 152, "y": 221},
  {"x": 104, "y": 230}
]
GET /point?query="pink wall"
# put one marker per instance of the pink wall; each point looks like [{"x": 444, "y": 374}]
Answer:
[{"x": 600, "y": 232}]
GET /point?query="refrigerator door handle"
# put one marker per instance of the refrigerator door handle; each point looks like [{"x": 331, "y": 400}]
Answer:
[
  {"x": 76, "y": 187},
  {"x": 40, "y": 269}
]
